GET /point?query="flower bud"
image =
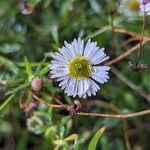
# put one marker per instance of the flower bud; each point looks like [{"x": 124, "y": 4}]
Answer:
[
  {"x": 26, "y": 8},
  {"x": 145, "y": 2},
  {"x": 37, "y": 84}
]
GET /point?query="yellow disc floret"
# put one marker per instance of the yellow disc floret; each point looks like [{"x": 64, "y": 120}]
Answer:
[
  {"x": 134, "y": 5},
  {"x": 79, "y": 67}
]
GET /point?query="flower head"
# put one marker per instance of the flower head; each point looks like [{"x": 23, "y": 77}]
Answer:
[
  {"x": 75, "y": 66},
  {"x": 132, "y": 8}
]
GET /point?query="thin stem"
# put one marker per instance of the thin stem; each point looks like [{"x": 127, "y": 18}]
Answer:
[
  {"x": 133, "y": 34},
  {"x": 47, "y": 104},
  {"x": 125, "y": 54},
  {"x": 120, "y": 116},
  {"x": 143, "y": 28},
  {"x": 111, "y": 15},
  {"x": 123, "y": 44},
  {"x": 126, "y": 137}
]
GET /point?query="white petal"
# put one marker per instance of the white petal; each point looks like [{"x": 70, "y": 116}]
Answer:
[
  {"x": 81, "y": 46},
  {"x": 60, "y": 58},
  {"x": 57, "y": 75},
  {"x": 86, "y": 49},
  {"x": 80, "y": 87},
  {"x": 84, "y": 96},
  {"x": 62, "y": 78},
  {"x": 91, "y": 49},
  {"x": 86, "y": 85},
  {"x": 58, "y": 63},
  {"x": 59, "y": 70},
  {"x": 93, "y": 88},
  {"x": 98, "y": 69},
  {"x": 64, "y": 82},
  {"x": 70, "y": 49},
  {"x": 97, "y": 79},
  {"x": 100, "y": 60},
  {"x": 75, "y": 90},
  {"x": 65, "y": 53},
  {"x": 98, "y": 53},
  {"x": 69, "y": 87},
  {"x": 89, "y": 93},
  {"x": 76, "y": 47}
]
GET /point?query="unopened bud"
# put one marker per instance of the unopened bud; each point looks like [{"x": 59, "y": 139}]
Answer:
[
  {"x": 138, "y": 67},
  {"x": 37, "y": 84},
  {"x": 26, "y": 8},
  {"x": 145, "y": 2}
]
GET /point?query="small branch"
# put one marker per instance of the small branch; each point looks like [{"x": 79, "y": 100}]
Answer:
[
  {"x": 120, "y": 116},
  {"x": 123, "y": 44},
  {"x": 49, "y": 105},
  {"x": 122, "y": 56},
  {"x": 126, "y": 137},
  {"x": 133, "y": 34},
  {"x": 143, "y": 28},
  {"x": 65, "y": 106}
]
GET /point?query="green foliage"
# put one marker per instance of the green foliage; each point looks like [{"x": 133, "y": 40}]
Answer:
[
  {"x": 95, "y": 139},
  {"x": 27, "y": 43}
]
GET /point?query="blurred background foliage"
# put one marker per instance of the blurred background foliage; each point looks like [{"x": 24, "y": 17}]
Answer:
[{"x": 28, "y": 38}]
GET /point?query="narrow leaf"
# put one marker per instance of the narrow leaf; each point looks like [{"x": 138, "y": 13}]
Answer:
[
  {"x": 96, "y": 137},
  {"x": 72, "y": 137},
  {"x": 28, "y": 67},
  {"x": 8, "y": 100},
  {"x": 44, "y": 70},
  {"x": 39, "y": 67}
]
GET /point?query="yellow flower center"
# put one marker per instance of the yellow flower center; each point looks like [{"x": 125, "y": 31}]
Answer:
[
  {"x": 134, "y": 5},
  {"x": 79, "y": 67}
]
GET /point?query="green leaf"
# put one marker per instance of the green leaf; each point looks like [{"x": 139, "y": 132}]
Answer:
[
  {"x": 39, "y": 67},
  {"x": 18, "y": 88},
  {"x": 9, "y": 64},
  {"x": 7, "y": 101},
  {"x": 50, "y": 133},
  {"x": 97, "y": 136},
  {"x": 28, "y": 67},
  {"x": 98, "y": 32},
  {"x": 44, "y": 70},
  {"x": 71, "y": 137}
]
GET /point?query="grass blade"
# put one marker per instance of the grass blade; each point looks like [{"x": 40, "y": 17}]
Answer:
[
  {"x": 95, "y": 139},
  {"x": 8, "y": 100}
]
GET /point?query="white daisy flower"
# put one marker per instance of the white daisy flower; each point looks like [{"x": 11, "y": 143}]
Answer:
[
  {"x": 133, "y": 8},
  {"x": 130, "y": 8},
  {"x": 75, "y": 66}
]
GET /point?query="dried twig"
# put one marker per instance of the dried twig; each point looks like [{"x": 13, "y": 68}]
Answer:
[
  {"x": 120, "y": 116},
  {"x": 47, "y": 104},
  {"x": 126, "y": 137},
  {"x": 128, "y": 52},
  {"x": 133, "y": 34}
]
